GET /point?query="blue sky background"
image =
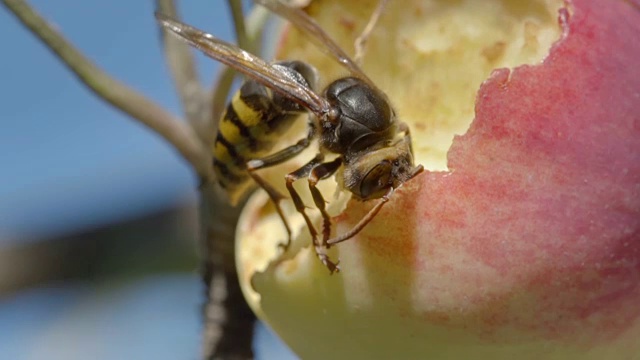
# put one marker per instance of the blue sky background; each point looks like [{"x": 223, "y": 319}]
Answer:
[
  {"x": 69, "y": 162},
  {"x": 62, "y": 151}
]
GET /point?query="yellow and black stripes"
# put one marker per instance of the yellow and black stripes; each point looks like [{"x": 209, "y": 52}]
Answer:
[
  {"x": 241, "y": 134},
  {"x": 239, "y": 130},
  {"x": 243, "y": 120},
  {"x": 253, "y": 121}
]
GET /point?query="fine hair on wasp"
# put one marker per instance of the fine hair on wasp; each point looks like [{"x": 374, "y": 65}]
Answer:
[{"x": 351, "y": 118}]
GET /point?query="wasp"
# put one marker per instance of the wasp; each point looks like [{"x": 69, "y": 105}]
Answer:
[{"x": 351, "y": 118}]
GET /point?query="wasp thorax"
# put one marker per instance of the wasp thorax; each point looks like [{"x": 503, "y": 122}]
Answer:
[{"x": 365, "y": 117}]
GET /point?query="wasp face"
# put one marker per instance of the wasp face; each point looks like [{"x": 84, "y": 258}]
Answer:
[{"x": 372, "y": 174}]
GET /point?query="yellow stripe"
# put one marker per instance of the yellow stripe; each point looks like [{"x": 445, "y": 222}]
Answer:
[
  {"x": 230, "y": 132},
  {"x": 247, "y": 115},
  {"x": 220, "y": 152}
]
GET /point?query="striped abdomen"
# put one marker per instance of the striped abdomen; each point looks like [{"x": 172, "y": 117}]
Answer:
[{"x": 252, "y": 123}]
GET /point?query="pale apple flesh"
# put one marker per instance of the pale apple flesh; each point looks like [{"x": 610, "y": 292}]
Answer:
[{"x": 523, "y": 238}]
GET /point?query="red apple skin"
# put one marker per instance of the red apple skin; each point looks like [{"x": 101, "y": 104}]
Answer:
[
  {"x": 542, "y": 201},
  {"x": 527, "y": 248}
]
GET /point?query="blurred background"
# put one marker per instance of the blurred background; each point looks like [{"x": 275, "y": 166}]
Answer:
[{"x": 98, "y": 215}]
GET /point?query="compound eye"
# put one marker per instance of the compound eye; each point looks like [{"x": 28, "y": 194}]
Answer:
[{"x": 376, "y": 182}]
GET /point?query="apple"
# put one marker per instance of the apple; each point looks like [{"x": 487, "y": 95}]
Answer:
[{"x": 522, "y": 238}]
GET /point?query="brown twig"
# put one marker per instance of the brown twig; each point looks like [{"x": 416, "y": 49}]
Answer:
[
  {"x": 182, "y": 66},
  {"x": 136, "y": 105},
  {"x": 219, "y": 93},
  {"x": 238, "y": 23},
  {"x": 252, "y": 41},
  {"x": 361, "y": 41},
  {"x": 228, "y": 320}
]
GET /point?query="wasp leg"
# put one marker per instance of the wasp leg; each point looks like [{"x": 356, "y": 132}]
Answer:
[
  {"x": 275, "y": 159},
  {"x": 321, "y": 172},
  {"x": 275, "y": 197},
  {"x": 295, "y": 197},
  {"x": 303, "y": 172},
  {"x": 363, "y": 222}
]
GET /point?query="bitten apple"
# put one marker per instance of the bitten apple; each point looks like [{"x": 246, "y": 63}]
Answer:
[{"x": 522, "y": 240}]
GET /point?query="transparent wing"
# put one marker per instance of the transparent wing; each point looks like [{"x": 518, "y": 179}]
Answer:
[
  {"x": 307, "y": 25},
  {"x": 248, "y": 64}
]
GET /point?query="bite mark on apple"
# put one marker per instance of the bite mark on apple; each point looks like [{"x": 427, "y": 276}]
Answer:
[{"x": 549, "y": 168}]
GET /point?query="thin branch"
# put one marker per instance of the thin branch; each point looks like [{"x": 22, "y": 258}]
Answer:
[
  {"x": 229, "y": 322},
  {"x": 361, "y": 41},
  {"x": 178, "y": 133},
  {"x": 231, "y": 336},
  {"x": 253, "y": 26},
  {"x": 219, "y": 94},
  {"x": 227, "y": 75},
  {"x": 183, "y": 68},
  {"x": 238, "y": 21}
]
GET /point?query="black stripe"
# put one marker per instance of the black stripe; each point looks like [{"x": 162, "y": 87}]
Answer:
[
  {"x": 232, "y": 116},
  {"x": 238, "y": 159},
  {"x": 228, "y": 176}
]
